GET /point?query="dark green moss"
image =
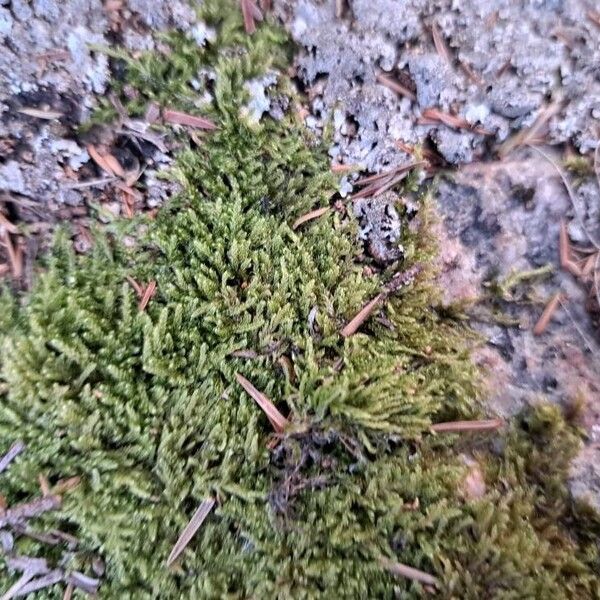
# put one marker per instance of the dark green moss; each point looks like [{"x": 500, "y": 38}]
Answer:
[{"x": 145, "y": 408}]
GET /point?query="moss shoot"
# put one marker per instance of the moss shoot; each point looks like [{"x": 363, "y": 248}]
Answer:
[{"x": 144, "y": 405}]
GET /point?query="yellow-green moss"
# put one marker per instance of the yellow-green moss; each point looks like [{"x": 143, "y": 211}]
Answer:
[{"x": 145, "y": 408}]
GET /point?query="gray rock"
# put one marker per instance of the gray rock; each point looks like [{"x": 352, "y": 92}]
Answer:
[
  {"x": 6, "y": 22},
  {"x": 430, "y": 75}
]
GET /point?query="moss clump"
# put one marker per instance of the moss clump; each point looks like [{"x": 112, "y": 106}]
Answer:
[{"x": 145, "y": 408}]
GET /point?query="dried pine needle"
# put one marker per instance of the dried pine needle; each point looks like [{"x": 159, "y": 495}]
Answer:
[{"x": 190, "y": 530}]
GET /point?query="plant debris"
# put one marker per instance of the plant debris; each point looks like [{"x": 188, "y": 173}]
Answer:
[{"x": 191, "y": 529}]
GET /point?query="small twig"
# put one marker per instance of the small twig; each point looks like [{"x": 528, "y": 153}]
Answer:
[
  {"x": 42, "y": 582},
  {"x": 547, "y": 314},
  {"x": 313, "y": 214},
  {"x": 277, "y": 420},
  {"x": 190, "y": 529},
  {"x": 402, "y": 570},
  {"x": 12, "y": 453},
  {"x": 460, "y": 426},
  {"x": 27, "y": 510},
  {"x": 84, "y": 582}
]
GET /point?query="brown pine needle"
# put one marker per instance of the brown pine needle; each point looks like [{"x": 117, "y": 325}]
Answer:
[
  {"x": 49, "y": 115},
  {"x": 395, "y": 86},
  {"x": 250, "y": 12},
  {"x": 8, "y": 225},
  {"x": 313, "y": 214},
  {"x": 135, "y": 285},
  {"x": 177, "y": 117},
  {"x": 66, "y": 485},
  {"x": 573, "y": 268},
  {"x": 460, "y": 426},
  {"x": 99, "y": 159},
  {"x": 340, "y": 168},
  {"x": 147, "y": 295},
  {"x": 563, "y": 244},
  {"x": 277, "y": 420},
  {"x": 363, "y": 314},
  {"x": 434, "y": 115},
  {"x": 530, "y": 134},
  {"x": 402, "y": 570},
  {"x": 114, "y": 165},
  {"x": 44, "y": 485},
  {"x": 589, "y": 264},
  {"x": 126, "y": 189},
  {"x": 440, "y": 44},
  {"x": 68, "y": 595},
  {"x": 547, "y": 315},
  {"x": 594, "y": 17},
  {"x": 15, "y": 255},
  {"x": 190, "y": 529}
]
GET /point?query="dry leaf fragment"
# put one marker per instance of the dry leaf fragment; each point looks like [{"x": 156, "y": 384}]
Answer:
[
  {"x": 177, "y": 117},
  {"x": 313, "y": 214},
  {"x": 277, "y": 420},
  {"x": 190, "y": 529}
]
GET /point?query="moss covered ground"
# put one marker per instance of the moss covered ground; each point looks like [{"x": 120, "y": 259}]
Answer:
[{"x": 144, "y": 406}]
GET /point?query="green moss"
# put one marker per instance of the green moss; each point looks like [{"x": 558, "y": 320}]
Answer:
[{"x": 145, "y": 408}]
